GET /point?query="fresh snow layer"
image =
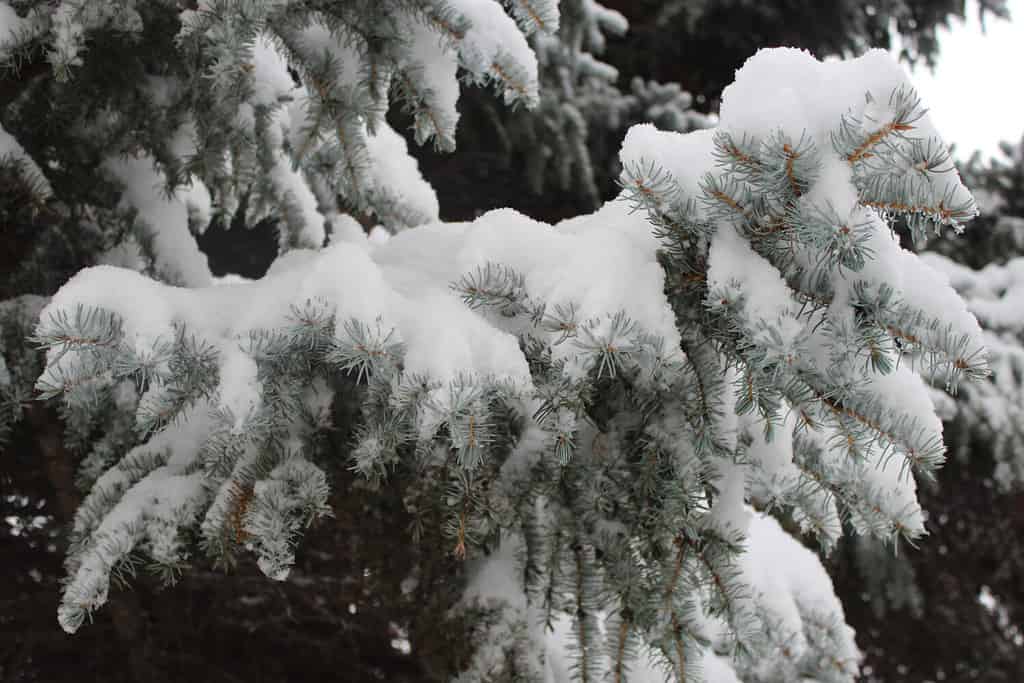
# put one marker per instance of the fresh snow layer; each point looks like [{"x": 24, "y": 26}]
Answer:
[
  {"x": 11, "y": 149},
  {"x": 405, "y": 281},
  {"x": 396, "y": 174},
  {"x": 10, "y": 24},
  {"x": 176, "y": 254},
  {"x": 788, "y": 89},
  {"x": 494, "y": 45},
  {"x": 435, "y": 67}
]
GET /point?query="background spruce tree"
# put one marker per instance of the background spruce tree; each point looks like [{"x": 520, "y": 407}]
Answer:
[{"x": 962, "y": 586}]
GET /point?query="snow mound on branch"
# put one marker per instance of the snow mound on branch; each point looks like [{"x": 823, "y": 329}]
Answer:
[
  {"x": 405, "y": 281},
  {"x": 176, "y": 253},
  {"x": 686, "y": 157},
  {"x": 789, "y": 88}
]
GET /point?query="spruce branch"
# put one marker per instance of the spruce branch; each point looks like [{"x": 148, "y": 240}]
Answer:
[
  {"x": 738, "y": 157},
  {"x": 84, "y": 326},
  {"x": 494, "y": 286},
  {"x": 904, "y": 111},
  {"x": 364, "y": 350}
]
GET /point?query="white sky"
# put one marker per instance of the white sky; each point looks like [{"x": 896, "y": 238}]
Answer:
[{"x": 976, "y": 94}]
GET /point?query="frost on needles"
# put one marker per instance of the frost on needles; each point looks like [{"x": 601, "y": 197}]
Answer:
[{"x": 604, "y": 414}]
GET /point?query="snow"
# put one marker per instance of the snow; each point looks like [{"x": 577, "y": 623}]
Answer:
[
  {"x": 685, "y": 157},
  {"x": 270, "y": 78},
  {"x": 15, "y": 31},
  {"x": 396, "y": 173},
  {"x": 10, "y": 24},
  {"x": 833, "y": 187},
  {"x": 917, "y": 282},
  {"x": 239, "y": 386},
  {"x": 289, "y": 182},
  {"x": 436, "y": 67},
  {"x": 735, "y": 271},
  {"x": 887, "y": 490},
  {"x": 904, "y": 388},
  {"x": 789, "y": 89},
  {"x": 608, "y": 19},
  {"x": 727, "y": 510},
  {"x": 344, "y": 228},
  {"x": 557, "y": 263},
  {"x": 494, "y": 582},
  {"x": 392, "y": 178},
  {"x": 378, "y": 235},
  {"x": 774, "y": 457},
  {"x": 316, "y": 41},
  {"x": 10, "y": 148},
  {"x": 71, "y": 19},
  {"x": 994, "y": 294},
  {"x": 125, "y": 254},
  {"x": 494, "y": 44},
  {"x": 538, "y": 18},
  {"x": 792, "y": 591},
  {"x": 405, "y": 281},
  {"x": 196, "y": 197},
  {"x": 176, "y": 255},
  {"x": 67, "y": 32},
  {"x": 402, "y": 283}
]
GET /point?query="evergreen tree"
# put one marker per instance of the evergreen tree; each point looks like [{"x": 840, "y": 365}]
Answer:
[
  {"x": 138, "y": 153},
  {"x": 575, "y": 443},
  {"x": 999, "y": 186},
  {"x": 986, "y": 272},
  {"x": 181, "y": 130},
  {"x": 963, "y": 581}
]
